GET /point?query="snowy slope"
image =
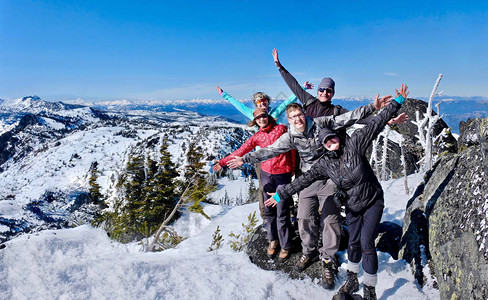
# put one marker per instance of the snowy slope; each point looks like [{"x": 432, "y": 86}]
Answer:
[
  {"x": 83, "y": 263},
  {"x": 40, "y": 184},
  {"x": 48, "y": 162}
]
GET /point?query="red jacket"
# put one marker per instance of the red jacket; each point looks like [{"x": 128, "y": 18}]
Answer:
[{"x": 283, "y": 163}]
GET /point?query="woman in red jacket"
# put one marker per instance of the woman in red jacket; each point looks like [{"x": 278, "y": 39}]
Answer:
[{"x": 274, "y": 172}]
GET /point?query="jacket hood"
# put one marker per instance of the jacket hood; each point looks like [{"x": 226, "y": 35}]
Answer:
[{"x": 325, "y": 133}]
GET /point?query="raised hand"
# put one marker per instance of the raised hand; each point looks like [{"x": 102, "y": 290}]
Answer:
[
  {"x": 403, "y": 91},
  {"x": 220, "y": 91},
  {"x": 402, "y": 118},
  {"x": 276, "y": 59},
  {"x": 308, "y": 85},
  {"x": 235, "y": 162},
  {"x": 271, "y": 201},
  {"x": 379, "y": 103}
]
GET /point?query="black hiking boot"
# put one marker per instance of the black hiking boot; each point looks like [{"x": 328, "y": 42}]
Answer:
[
  {"x": 329, "y": 270},
  {"x": 351, "y": 285},
  {"x": 369, "y": 292},
  {"x": 304, "y": 262}
]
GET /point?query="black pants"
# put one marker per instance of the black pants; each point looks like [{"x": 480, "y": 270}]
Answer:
[
  {"x": 278, "y": 217},
  {"x": 361, "y": 226}
]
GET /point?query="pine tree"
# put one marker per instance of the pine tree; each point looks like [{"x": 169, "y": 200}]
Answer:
[
  {"x": 150, "y": 191},
  {"x": 217, "y": 240},
  {"x": 194, "y": 171},
  {"x": 94, "y": 191},
  {"x": 163, "y": 191},
  {"x": 134, "y": 192}
]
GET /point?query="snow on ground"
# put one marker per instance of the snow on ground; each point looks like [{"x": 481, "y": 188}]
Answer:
[
  {"x": 57, "y": 169},
  {"x": 83, "y": 263}
]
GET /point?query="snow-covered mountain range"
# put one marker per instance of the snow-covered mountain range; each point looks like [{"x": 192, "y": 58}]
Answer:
[{"x": 46, "y": 150}]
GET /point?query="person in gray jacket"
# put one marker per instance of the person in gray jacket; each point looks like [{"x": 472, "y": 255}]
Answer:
[
  {"x": 359, "y": 190},
  {"x": 303, "y": 136}
]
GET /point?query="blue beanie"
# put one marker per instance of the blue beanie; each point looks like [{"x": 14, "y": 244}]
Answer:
[{"x": 327, "y": 82}]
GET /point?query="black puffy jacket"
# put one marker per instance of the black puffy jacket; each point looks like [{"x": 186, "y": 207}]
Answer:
[{"x": 358, "y": 178}]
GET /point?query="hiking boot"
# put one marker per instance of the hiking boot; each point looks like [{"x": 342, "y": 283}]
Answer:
[
  {"x": 369, "y": 292},
  {"x": 273, "y": 245},
  {"x": 304, "y": 262},
  {"x": 351, "y": 285},
  {"x": 284, "y": 254},
  {"x": 329, "y": 270}
]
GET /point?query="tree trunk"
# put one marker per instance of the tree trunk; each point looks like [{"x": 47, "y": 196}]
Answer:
[{"x": 428, "y": 138}]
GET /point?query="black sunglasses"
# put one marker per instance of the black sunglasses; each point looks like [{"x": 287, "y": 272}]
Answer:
[{"x": 328, "y": 90}]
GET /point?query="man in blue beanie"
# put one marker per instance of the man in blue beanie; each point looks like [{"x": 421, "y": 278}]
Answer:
[{"x": 314, "y": 106}]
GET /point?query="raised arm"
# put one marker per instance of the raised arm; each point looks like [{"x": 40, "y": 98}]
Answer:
[
  {"x": 282, "y": 145},
  {"x": 363, "y": 137},
  {"x": 304, "y": 97},
  {"x": 349, "y": 118},
  {"x": 247, "y": 147},
  {"x": 280, "y": 109},
  {"x": 245, "y": 110}
]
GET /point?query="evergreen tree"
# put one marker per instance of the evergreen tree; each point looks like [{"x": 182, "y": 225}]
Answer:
[
  {"x": 150, "y": 191},
  {"x": 194, "y": 171},
  {"x": 134, "y": 193},
  {"x": 161, "y": 191},
  {"x": 96, "y": 196}
]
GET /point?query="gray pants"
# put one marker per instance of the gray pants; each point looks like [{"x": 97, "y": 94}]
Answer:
[
  {"x": 312, "y": 200},
  {"x": 262, "y": 211}
]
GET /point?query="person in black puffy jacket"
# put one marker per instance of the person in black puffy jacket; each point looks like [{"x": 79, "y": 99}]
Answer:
[{"x": 358, "y": 189}]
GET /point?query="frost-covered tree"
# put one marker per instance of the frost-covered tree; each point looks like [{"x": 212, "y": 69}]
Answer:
[
  {"x": 425, "y": 127},
  {"x": 385, "y": 135},
  {"x": 404, "y": 165}
]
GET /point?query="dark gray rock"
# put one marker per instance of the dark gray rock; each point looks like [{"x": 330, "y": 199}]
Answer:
[
  {"x": 474, "y": 132},
  {"x": 458, "y": 230},
  {"x": 256, "y": 250},
  {"x": 388, "y": 238},
  {"x": 446, "y": 220}
]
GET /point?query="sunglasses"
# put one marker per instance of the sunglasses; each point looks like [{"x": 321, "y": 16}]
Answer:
[
  {"x": 261, "y": 101},
  {"x": 328, "y": 90},
  {"x": 263, "y": 116}
]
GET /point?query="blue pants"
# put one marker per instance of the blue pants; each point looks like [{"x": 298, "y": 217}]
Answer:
[
  {"x": 278, "y": 217},
  {"x": 362, "y": 226}
]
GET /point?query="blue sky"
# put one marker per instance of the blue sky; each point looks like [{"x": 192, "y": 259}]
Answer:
[{"x": 106, "y": 50}]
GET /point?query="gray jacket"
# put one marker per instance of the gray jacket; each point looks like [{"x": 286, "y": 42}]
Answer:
[{"x": 307, "y": 143}]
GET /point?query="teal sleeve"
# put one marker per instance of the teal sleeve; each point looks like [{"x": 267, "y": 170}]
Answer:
[
  {"x": 400, "y": 99},
  {"x": 278, "y": 111},
  {"x": 277, "y": 198},
  {"x": 245, "y": 110}
]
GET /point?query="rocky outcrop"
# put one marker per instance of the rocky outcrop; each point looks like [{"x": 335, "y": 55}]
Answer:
[
  {"x": 412, "y": 148},
  {"x": 256, "y": 250},
  {"x": 446, "y": 221}
]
